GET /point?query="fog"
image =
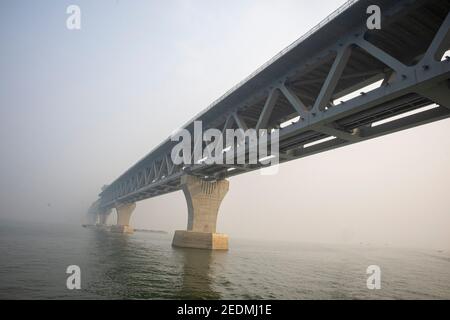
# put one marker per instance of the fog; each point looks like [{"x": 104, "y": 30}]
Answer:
[{"x": 79, "y": 107}]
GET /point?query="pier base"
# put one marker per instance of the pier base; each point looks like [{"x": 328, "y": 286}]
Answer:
[
  {"x": 122, "y": 229},
  {"x": 200, "y": 240}
]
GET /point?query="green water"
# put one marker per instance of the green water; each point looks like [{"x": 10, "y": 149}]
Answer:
[{"x": 34, "y": 259}]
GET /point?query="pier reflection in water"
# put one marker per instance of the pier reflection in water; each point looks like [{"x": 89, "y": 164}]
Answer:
[
  {"x": 142, "y": 267},
  {"x": 198, "y": 266}
]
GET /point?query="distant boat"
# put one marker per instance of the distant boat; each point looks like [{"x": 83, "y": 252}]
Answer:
[
  {"x": 150, "y": 231},
  {"x": 88, "y": 225}
]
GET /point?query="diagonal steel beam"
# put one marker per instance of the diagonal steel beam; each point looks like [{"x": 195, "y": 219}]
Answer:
[
  {"x": 169, "y": 164},
  {"x": 155, "y": 170},
  {"x": 332, "y": 79},
  {"x": 295, "y": 101},
  {"x": 162, "y": 167},
  {"x": 148, "y": 175},
  {"x": 240, "y": 122},
  {"x": 382, "y": 56},
  {"x": 227, "y": 124},
  {"x": 267, "y": 110},
  {"x": 440, "y": 43}
]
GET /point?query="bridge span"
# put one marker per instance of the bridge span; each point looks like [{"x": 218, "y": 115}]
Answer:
[{"x": 341, "y": 83}]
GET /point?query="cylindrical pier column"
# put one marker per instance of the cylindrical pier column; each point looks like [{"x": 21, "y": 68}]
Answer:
[{"x": 124, "y": 211}]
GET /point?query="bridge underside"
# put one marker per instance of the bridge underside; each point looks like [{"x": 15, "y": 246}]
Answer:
[{"x": 340, "y": 85}]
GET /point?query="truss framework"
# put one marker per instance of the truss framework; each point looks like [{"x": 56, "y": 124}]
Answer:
[{"x": 404, "y": 88}]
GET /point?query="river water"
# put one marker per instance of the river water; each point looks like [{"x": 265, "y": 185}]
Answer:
[{"x": 34, "y": 259}]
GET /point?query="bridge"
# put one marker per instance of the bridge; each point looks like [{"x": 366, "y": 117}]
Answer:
[{"x": 341, "y": 83}]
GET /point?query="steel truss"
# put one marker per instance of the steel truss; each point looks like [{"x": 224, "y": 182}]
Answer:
[{"x": 308, "y": 91}]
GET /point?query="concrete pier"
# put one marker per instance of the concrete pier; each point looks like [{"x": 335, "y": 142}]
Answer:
[
  {"x": 124, "y": 211},
  {"x": 203, "y": 201},
  {"x": 103, "y": 218}
]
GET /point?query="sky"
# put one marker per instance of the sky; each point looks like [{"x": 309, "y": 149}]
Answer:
[{"x": 79, "y": 107}]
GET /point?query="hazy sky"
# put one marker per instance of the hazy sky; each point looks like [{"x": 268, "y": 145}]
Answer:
[{"x": 77, "y": 108}]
